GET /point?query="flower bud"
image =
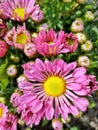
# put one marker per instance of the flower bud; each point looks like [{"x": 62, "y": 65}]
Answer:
[
  {"x": 83, "y": 61},
  {"x": 2, "y": 100},
  {"x": 43, "y": 26},
  {"x": 3, "y": 48},
  {"x": 67, "y": 1},
  {"x": 30, "y": 50},
  {"x": 34, "y": 35},
  {"x": 89, "y": 16},
  {"x": 81, "y": 37},
  {"x": 87, "y": 46},
  {"x": 14, "y": 58},
  {"x": 21, "y": 78},
  {"x": 77, "y": 25},
  {"x": 12, "y": 70},
  {"x": 81, "y": 1},
  {"x": 57, "y": 124}
]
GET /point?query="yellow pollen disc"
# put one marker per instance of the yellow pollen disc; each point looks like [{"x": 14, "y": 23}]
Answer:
[
  {"x": 54, "y": 86},
  {"x": 21, "y": 38},
  {"x": 50, "y": 42},
  {"x": 1, "y": 112},
  {"x": 70, "y": 41},
  {"x": 19, "y": 12}
]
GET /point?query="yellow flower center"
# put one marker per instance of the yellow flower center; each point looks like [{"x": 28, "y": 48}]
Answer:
[
  {"x": 50, "y": 42},
  {"x": 21, "y": 38},
  {"x": 19, "y": 12},
  {"x": 54, "y": 86},
  {"x": 1, "y": 112},
  {"x": 70, "y": 41}
]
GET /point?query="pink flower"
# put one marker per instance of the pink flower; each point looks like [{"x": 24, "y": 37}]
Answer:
[
  {"x": 57, "y": 124},
  {"x": 18, "y": 10},
  {"x": 70, "y": 42},
  {"x": 3, "y": 48},
  {"x": 3, "y": 29},
  {"x": 10, "y": 122},
  {"x": 54, "y": 89},
  {"x": 30, "y": 50},
  {"x": 37, "y": 14},
  {"x": 3, "y": 113},
  {"x": 50, "y": 44}
]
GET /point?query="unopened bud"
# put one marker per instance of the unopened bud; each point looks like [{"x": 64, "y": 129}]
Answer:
[
  {"x": 83, "y": 61},
  {"x": 12, "y": 70},
  {"x": 87, "y": 46},
  {"x": 89, "y": 16},
  {"x": 81, "y": 38}
]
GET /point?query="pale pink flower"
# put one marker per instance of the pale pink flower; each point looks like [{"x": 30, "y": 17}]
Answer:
[
  {"x": 57, "y": 124},
  {"x": 77, "y": 25},
  {"x": 12, "y": 70},
  {"x": 18, "y": 10},
  {"x": 56, "y": 89},
  {"x": 70, "y": 42},
  {"x": 83, "y": 61},
  {"x": 10, "y": 122},
  {"x": 44, "y": 27},
  {"x": 3, "y": 48},
  {"x": 49, "y": 43},
  {"x": 3, "y": 29},
  {"x": 3, "y": 113},
  {"x": 37, "y": 14},
  {"x": 30, "y": 50}
]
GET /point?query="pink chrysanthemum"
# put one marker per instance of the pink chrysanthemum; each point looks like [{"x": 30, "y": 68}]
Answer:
[
  {"x": 37, "y": 14},
  {"x": 10, "y": 122},
  {"x": 3, "y": 29},
  {"x": 3, "y": 113},
  {"x": 18, "y": 10},
  {"x": 56, "y": 88},
  {"x": 70, "y": 42},
  {"x": 3, "y": 48},
  {"x": 49, "y": 43}
]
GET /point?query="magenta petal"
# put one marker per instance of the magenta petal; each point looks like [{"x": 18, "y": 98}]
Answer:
[
  {"x": 74, "y": 110},
  {"x": 73, "y": 86},
  {"x": 49, "y": 112},
  {"x": 79, "y": 72}
]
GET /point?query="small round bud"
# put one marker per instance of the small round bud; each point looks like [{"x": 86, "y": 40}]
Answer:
[
  {"x": 43, "y": 26},
  {"x": 34, "y": 35},
  {"x": 81, "y": 1},
  {"x": 81, "y": 38},
  {"x": 67, "y": 1},
  {"x": 77, "y": 25},
  {"x": 21, "y": 122},
  {"x": 87, "y": 46},
  {"x": 21, "y": 79},
  {"x": 57, "y": 124},
  {"x": 2, "y": 100},
  {"x": 14, "y": 58},
  {"x": 83, "y": 61},
  {"x": 12, "y": 70},
  {"x": 89, "y": 16}
]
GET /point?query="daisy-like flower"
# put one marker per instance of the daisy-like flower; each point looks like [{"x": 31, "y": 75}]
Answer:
[
  {"x": 3, "y": 113},
  {"x": 49, "y": 43},
  {"x": 3, "y": 48},
  {"x": 37, "y": 14},
  {"x": 87, "y": 46},
  {"x": 54, "y": 89},
  {"x": 3, "y": 29},
  {"x": 18, "y": 10},
  {"x": 10, "y": 122},
  {"x": 70, "y": 42}
]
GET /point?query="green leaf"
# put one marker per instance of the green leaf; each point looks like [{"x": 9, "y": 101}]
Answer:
[
  {"x": 45, "y": 122},
  {"x": 4, "y": 84},
  {"x": 3, "y": 67},
  {"x": 74, "y": 128},
  {"x": 92, "y": 104}
]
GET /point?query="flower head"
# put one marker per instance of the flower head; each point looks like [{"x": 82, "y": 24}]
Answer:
[
  {"x": 77, "y": 25},
  {"x": 3, "y": 48},
  {"x": 30, "y": 50},
  {"x": 10, "y": 122},
  {"x": 87, "y": 46},
  {"x": 49, "y": 43},
  {"x": 54, "y": 89},
  {"x": 18, "y": 10},
  {"x": 37, "y": 14},
  {"x": 3, "y": 29},
  {"x": 3, "y": 113},
  {"x": 70, "y": 42},
  {"x": 84, "y": 61}
]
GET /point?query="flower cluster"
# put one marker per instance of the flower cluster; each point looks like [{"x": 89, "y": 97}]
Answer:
[{"x": 41, "y": 80}]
